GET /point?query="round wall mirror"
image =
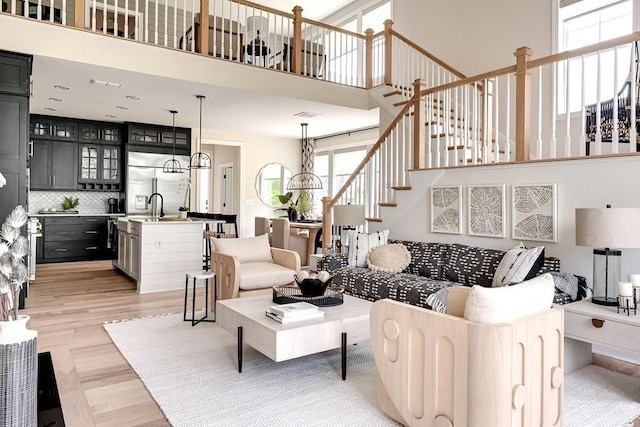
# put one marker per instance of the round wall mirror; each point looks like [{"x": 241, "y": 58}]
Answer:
[{"x": 271, "y": 181}]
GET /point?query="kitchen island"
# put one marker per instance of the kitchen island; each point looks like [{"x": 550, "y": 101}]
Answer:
[{"x": 158, "y": 253}]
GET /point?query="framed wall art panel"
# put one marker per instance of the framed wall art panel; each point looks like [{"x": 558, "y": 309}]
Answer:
[
  {"x": 446, "y": 209},
  {"x": 534, "y": 212},
  {"x": 486, "y": 213}
]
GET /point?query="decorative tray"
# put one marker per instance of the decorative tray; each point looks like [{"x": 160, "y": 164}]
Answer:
[{"x": 291, "y": 293}]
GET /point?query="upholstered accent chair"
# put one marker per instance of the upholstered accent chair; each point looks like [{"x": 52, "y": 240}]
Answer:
[
  {"x": 285, "y": 237},
  {"x": 248, "y": 265}
]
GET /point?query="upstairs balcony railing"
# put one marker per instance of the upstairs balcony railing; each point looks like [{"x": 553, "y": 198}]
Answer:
[
  {"x": 570, "y": 105},
  {"x": 252, "y": 34}
]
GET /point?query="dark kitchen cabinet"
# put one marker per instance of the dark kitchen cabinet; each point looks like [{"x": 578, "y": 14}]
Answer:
[
  {"x": 100, "y": 133},
  {"x": 15, "y": 70},
  {"x": 52, "y": 128},
  {"x": 73, "y": 238},
  {"x": 99, "y": 167},
  {"x": 54, "y": 165},
  {"x": 159, "y": 137}
]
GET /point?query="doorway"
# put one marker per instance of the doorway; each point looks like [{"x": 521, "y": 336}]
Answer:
[{"x": 226, "y": 188}]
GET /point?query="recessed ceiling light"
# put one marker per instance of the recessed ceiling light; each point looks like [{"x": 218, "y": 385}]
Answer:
[
  {"x": 50, "y": 109},
  {"x": 105, "y": 83},
  {"x": 55, "y": 99},
  {"x": 111, "y": 116},
  {"x": 121, "y": 107},
  {"x": 135, "y": 98},
  {"x": 61, "y": 87},
  {"x": 307, "y": 114}
]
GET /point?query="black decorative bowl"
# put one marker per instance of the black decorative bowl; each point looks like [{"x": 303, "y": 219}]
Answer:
[{"x": 312, "y": 287}]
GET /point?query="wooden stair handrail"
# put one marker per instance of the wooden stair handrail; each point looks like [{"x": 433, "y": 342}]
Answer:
[
  {"x": 369, "y": 155},
  {"x": 428, "y": 54}
]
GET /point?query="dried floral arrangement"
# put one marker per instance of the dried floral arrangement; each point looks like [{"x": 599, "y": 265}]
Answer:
[{"x": 13, "y": 271}]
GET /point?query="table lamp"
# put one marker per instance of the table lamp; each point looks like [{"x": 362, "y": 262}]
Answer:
[
  {"x": 605, "y": 229},
  {"x": 347, "y": 217}
]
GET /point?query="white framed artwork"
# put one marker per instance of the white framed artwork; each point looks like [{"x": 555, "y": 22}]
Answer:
[
  {"x": 446, "y": 209},
  {"x": 486, "y": 213},
  {"x": 534, "y": 212}
]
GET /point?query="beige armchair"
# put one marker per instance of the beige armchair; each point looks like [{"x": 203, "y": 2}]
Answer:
[
  {"x": 437, "y": 369},
  {"x": 247, "y": 266}
]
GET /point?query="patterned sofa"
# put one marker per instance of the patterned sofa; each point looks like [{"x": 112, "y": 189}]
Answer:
[{"x": 434, "y": 269}]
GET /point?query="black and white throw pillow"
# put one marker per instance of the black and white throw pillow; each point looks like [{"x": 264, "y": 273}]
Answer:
[{"x": 518, "y": 264}]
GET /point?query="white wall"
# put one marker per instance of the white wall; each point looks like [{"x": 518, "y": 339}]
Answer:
[
  {"x": 256, "y": 152},
  {"x": 589, "y": 183},
  {"x": 476, "y": 36}
]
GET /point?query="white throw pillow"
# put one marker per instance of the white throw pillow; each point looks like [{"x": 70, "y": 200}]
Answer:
[
  {"x": 389, "y": 258},
  {"x": 361, "y": 243},
  {"x": 518, "y": 264},
  {"x": 247, "y": 249},
  {"x": 497, "y": 305}
]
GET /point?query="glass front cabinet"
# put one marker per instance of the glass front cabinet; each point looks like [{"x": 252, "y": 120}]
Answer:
[{"x": 99, "y": 168}]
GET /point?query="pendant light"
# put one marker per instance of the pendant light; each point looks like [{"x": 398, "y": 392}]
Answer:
[
  {"x": 200, "y": 160},
  {"x": 173, "y": 165},
  {"x": 304, "y": 180}
]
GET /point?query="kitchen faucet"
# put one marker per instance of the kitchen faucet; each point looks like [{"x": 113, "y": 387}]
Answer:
[{"x": 161, "y": 204}]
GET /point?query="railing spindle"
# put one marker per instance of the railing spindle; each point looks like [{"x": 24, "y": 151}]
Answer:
[
  {"x": 614, "y": 129},
  {"x": 567, "y": 138},
  {"x": 598, "y": 142},
  {"x": 633, "y": 135}
]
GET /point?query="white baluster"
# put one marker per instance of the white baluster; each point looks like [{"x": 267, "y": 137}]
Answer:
[
  {"x": 507, "y": 144},
  {"x": 155, "y": 23},
  {"x": 567, "y": 138},
  {"x": 496, "y": 128},
  {"x": 583, "y": 111},
  {"x": 554, "y": 113},
  {"x": 598, "y": 142},
  {"x": 146, "y": 20},
  {"x": 485, "y": 125},
  {"x": 175, "y": 24},
  {"x": 64, "y": 13},
  {"x": 538, "y": 147},
  {"x": 105, "y": 11},
  {"x": 115, "y": 18},
  {"x": 93, "y": 17},
  {"x": 614, "y": 119},
  {"x": 633, "y": 133},
  {"x": 126, "y": 19}
]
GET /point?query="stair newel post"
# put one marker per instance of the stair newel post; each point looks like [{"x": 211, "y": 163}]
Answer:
[
  {"x": 523, "y": 104},
  {"x": 419, "y": 106},
  {"x": 327, "y": 221},
  {"x": 388, "y": 50},
  {"x": 297, "y": 40},
  {"x": 203, "y": 36},
  {"x": 368, "y": 59},
  {"x": 79, "y": 14}
]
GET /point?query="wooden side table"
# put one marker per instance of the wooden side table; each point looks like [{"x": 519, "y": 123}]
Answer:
[{"x": 586, "y": 324}]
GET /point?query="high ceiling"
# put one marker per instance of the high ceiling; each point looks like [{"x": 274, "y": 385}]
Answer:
[{"x": 225, "y": 109}]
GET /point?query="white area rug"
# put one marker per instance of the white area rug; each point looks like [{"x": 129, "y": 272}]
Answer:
[{"x": 192, "y": 374}]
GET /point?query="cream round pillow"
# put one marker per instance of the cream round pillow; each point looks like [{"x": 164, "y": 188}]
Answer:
[{"x": 390, "y": 258}]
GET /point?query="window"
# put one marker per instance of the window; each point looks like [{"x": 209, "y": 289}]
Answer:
[
  {"x": 585, "y": 22},
  {"x": 334, "y": 168}
]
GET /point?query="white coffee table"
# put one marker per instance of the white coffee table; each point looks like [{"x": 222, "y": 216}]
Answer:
[{"x": 342, "y": 325}]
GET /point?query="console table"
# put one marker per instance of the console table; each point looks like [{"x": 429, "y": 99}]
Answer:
[{"x": 586, "y": 324}]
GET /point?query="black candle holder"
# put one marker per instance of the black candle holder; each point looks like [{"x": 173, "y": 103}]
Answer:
[{"x": 627, "y": 304}]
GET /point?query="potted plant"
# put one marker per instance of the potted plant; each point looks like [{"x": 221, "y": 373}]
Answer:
[
  {"x": 304, "y": 205},
  {"x": 18, "y": 348},
  {"x": 70, "y": 203},
  {"x": 184, "y": 186},
  {"x": 288, "y": 205}
]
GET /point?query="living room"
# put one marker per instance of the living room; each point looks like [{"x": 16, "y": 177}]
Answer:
[{"x": 606, "y": 179}]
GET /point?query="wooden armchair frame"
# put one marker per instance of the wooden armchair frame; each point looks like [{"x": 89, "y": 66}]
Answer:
[{"x": 440, "y": 370}]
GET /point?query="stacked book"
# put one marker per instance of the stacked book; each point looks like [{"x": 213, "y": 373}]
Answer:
[{"x": 294, "y": 312}]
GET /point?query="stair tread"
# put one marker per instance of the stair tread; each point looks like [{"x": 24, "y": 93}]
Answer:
[
  {"x": 374, "y": 219},
  {"x": 395, "y": 92},
  {"x": 401, "y": 187},
  {"x": 388, "y": 204}
]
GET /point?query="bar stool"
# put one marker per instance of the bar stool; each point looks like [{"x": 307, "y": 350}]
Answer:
[{"x": 200, "y": 275}]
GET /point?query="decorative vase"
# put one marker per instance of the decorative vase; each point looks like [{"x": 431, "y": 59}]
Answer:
[
  {"x": 182, "y": 214},
  {"x": 18, "y": 373},
  {"x": 293, "y": 215}
]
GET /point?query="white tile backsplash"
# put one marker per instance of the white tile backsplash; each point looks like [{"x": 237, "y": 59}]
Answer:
[{"x": 90, "y": 202}]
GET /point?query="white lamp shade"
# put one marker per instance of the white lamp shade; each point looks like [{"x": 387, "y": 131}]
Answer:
[
  {"x": 348, "y": 215},
  {"x": 608, "y": 227},
  {"x": 257, "y": 24}
]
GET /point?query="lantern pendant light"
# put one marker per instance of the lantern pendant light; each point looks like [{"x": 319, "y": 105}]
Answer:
[
  {"x": 200, "y": 160},
  {"x": 173, "y": 165}
]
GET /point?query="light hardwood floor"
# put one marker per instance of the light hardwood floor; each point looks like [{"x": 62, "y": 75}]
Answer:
[{"x": 68, "y": 304}]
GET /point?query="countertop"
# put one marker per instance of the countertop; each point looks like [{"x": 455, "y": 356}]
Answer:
[{"x": 37, "y": 214}]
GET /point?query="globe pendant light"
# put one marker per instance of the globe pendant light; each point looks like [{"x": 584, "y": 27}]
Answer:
[
  {"x": 200, "y": 160},
  {"x": 173, "y": 165}
]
